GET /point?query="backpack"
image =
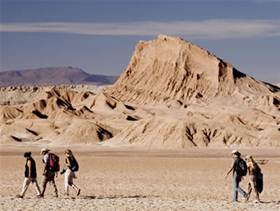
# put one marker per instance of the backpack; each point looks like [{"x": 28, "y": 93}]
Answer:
[
  {"x": 259, "y": 182},
  {"x": 241, "y": 167},
  {"x": 74, "y": 165},
  {"x": 53, "y": 162}
]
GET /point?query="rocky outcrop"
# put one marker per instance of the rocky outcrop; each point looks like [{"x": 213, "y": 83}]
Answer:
[{"x": 169, "y": 68}]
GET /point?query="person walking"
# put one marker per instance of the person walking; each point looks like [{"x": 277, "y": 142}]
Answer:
[
  {"x": 255, "y": 178},
  {"x": 30, "y": 175},
  {"x": 51, "y": 166},
  {"x": 238, "y": 169},
  {"x": 72, "y": 166}
]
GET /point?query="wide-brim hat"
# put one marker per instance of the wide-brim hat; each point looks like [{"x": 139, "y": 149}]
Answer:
[{"x": 44, "y": 150}]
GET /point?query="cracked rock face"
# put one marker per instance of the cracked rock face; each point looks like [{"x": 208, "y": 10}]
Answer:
[{"x": 212, "y": 103}]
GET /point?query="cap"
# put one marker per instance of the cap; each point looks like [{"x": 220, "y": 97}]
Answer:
[{"x": 235, "y": 152}]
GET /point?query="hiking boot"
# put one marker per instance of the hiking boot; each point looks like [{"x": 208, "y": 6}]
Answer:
[{"x": 79, "y": 191}]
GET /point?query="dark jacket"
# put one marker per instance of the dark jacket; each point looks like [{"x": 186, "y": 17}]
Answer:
[
  {"x": 33, "y": 173},
  {"x": 72, "y": 163}
]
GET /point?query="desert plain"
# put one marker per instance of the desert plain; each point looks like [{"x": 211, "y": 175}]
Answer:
[{"x": 133, "y": 179}]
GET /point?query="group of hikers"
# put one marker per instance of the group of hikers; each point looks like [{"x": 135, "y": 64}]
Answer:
[
  {"x": 50, "y": 171},
  {"x": 239, "y": 169}
]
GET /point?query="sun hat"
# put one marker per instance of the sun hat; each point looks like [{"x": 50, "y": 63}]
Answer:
[{"x": 44, "y": 150}]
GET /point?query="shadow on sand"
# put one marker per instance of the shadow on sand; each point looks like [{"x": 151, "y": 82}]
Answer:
[
  {"x": 267, "y": 202},
  {"x": 115, "y": 197},
  {"x": 93, "y": 197},
  {"x": 270, "y": 202}
]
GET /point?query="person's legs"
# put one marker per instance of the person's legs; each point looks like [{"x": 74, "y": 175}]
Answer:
[
  {"x": 55, "y": 188},
  {"x": 66, "y": 182},
  {"x": 254, "y": 184},
  {"x": 37, "y": 187},
  {"x": 234, "y": 188},
  {"x": 78, "y": 190},
  {"x": 241, "y": 191},
  {"x": 257, "y": 196},
  {"x": 25, "y": 186},
  {"x": 72, "y": 176},
  {"x": 75, "y": 187},
  {"x": 69, "y": 176},
  {"x": 44, "y": 185},
  {"x": 249, "y": 190}
]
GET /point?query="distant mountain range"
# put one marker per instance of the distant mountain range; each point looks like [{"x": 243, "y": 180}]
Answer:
[{"x": 52, "y": 76}]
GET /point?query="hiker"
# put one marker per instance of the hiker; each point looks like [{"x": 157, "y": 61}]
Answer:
[
  {"x": 72, "y": 166},
  {"x": 30, "y": 175},
  {"x": 238, "y": 169},
  {"x": 255, "y": 178},
  {"x": 51, "y": 168}
]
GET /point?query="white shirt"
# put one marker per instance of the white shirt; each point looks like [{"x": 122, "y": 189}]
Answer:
[{"x": 45, "y": 158}]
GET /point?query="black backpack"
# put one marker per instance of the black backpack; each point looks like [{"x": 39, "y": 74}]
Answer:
[
  {"x": 259, "y": 182},
  {"x": 74, "y": 165},
  {"x": 241, "y": 167}
]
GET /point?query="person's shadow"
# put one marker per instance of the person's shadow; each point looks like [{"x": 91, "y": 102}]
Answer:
[
  {"x": 269, "y": 202},
  {"x": 115, "y": 197}
]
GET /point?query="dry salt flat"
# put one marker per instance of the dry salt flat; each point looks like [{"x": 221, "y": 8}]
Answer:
[{"x": 139, "y": 181}]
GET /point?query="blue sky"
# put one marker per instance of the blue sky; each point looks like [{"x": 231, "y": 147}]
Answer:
[{"x": 100, "y": 36}]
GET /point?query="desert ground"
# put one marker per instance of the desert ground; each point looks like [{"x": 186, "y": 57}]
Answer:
[{"x": 130, "y": 179}]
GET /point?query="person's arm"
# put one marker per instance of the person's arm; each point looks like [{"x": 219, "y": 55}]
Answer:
[
  {"x": 67, "y": 162},
  {"x": 232, "y": 169},
  {"x": 29, "y": 167},
  {"x": 229, "y": 171}
]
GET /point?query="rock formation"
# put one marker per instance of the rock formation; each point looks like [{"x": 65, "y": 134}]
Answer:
[
  {"x": 172, "y": 95},
  {"x": 171, "y": 69}
]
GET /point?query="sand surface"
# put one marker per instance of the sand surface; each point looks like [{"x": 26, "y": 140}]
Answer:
[{"x": 139, "y": 181}]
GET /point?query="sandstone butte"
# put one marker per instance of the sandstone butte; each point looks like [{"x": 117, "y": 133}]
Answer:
[{"x": 172, "y": 95}]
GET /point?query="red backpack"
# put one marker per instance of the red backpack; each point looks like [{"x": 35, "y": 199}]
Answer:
[{"x": 53, "y": 162}]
